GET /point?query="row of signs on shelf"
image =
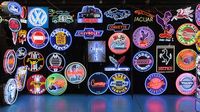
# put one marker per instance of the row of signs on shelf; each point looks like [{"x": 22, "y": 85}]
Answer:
[{"x": 142, "y": 61}]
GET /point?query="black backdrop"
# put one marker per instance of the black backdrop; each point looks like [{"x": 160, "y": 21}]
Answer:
[{"x": 78, "y": 50}]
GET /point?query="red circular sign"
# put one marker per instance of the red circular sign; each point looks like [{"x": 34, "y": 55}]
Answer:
[
  {"x": 38, "y": 37},
  {"x": 36, "y": 84}
]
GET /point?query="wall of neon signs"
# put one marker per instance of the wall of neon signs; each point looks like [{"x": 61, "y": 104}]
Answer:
[{"x": 131, "y": 42}]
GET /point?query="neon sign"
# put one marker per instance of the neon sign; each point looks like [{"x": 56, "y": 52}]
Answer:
[
  {"x": 156, "y": 84},
  {"x": 38, "y": 17},
  {"x": 186, "y": 34},
  {"x": 119, "y": 43},
  {"x": 198, "y": 41},
  {"x": 143, "y": 37},
  {"x": 36, "y": 84},
  {"x": 186, "y": 84},
  {"x": 14, "y": 26},
  {"x": 186, "y": 59},
  {"x": 60, "y": 39},
  {"x": 38, "y": 38},
  {"x": 75, "y": 73},
  {"x": 119, "y": 83},
  {"x": 165, "y": 59},
  {"x": 96, "y": 51},
  {"x": 143, "y": 61},
  {"x": 55, "y": 62},
  {"x": 117, "y": 64},
  {"x": 117, "y": 14},
  {"x": 184, "y": 14},
  {"x": 118, "y": 27},
  {"x": 197, "y": 14},
  {"x": 21, "y": 53},
  {"x": 9, "y": 61},
  {"x": 10, "y": 92},
  {"x": 20, "y": 77},
  {"x": 167, "y": 28},
  {"x": 34, "y": 60},
  {"x": 60, "y": 16},
  {"x": 89, "y": 33},
  {"x": 148, "y": 16},
  {"x": 11, "y": 7},
  {"x": 56, "y": 84},
  {"x": 98, "y": 83},
  {"x": 90, "y": 14},
  {"x": 22, "y": 36}
]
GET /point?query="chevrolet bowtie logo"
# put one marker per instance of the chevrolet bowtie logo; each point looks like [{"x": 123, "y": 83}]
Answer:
[{"x": 89, "y": 33}]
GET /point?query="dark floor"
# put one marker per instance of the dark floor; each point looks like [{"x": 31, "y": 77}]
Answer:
[{"x": 104, "y": 103}]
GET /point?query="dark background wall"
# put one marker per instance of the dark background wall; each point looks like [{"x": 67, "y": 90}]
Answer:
[{"x": 71, "y": 54}]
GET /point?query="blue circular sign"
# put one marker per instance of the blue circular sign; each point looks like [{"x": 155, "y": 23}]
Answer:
[
  {"x": 38, "y": 38},
  {"x": 60, "y": 39},
  {"x": 143, "y": 61},
  {"x": 98, "y": 83},
  {"x": 156, "y": 84},
  {"x": 14, "y": 8},
  {"x": 119, "y": 83},
  {"x": 21, "y": 53}
]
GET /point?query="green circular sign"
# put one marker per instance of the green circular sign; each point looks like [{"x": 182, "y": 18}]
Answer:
[
  {"x": 186, "y": 34},
  {"x": 56, "y": 84}
]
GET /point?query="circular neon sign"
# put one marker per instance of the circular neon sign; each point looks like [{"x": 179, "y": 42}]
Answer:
[
  {"x": 14, "y": 25},
  {"x": 143, "y": 37},
  {"x": 186, "y": 59},
  {"x": 75, "y": 73},
  {"x": 10, "y": 61},
  {"x": 143, "y": 61},
  {"x": 60, "y": 39},
  {"x": 156, "y": 84},
  {"x": 21, "y": 53},
  {"x": 186, "y": 84},
  {"x": 119, "y": 83},
  {"x": 56, "y": 84},
  {"x": 36, "y": 84},
  {"x": 38, "y": 38},
  {"x": 119, "y": 43},
  {"x": 98, "y": 83}
]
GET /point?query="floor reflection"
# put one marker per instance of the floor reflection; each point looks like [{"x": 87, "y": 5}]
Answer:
[{"x": 104, "y": 103}]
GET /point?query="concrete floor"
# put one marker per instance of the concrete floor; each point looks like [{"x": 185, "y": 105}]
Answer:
[{"x": 104, "y": 103}]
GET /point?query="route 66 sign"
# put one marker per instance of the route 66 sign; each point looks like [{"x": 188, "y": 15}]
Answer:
[
  {"x": 38, "y": 17},
  {"x": 165, "y": 59}
]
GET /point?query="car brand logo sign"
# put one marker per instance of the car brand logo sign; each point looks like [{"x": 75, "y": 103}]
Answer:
[
  {"x": 22, "y": 36},
  {"x": 11, "y": 7},
  {"x": 143, "y": 61},
  {"x": 60, "y": 16},
  {"x": 143, "y": 37},
  {"x": 96, "y": 51},
  {"x": 10, "y": 91},
  {"x": 186, "y": 84},
  {"x": 165, "y": 59},
  {"x": 118, "y": 27},
  {"x": 60, "y": 39},
  {"x": 36, "y": 84},
  {"x": 20, "y": 77},
  {"x": 117, "y": 64},
  {"x": 9, "y": 61},
  {"x": 55, "y": 62},
  {"x": 56, "y": 84},
  {"x": 119, "y": 83},
  {"x": 89, "y": 33},
  {"x": 186, "y": 59},
  {"x": 21, "y": 53},
  {"x": 184, "y": 14},
  {"x": 98, "y": 83},
  {"x": 197, "y": 14},
  {"x": 156, "y": 84},
  {"x": 167, "y": 28},
  {"x": 38, "y": 38},
  {"x": 143, "y": 16},
  {"x": 75, "y": 73},
  {"x": 119, "y": 43},
  {"x": 35, "y": 61},
  {"x": 186, "y": 34},
  {"x": 90, "y": 14},
  {"x": 38, "y": 17},
  {"x": 117, "y": 14}
]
